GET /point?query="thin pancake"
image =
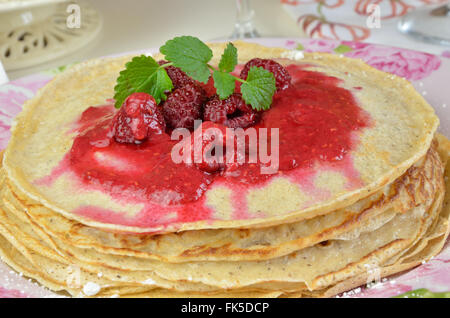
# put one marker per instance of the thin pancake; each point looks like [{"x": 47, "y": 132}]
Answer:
[
  {"x": 380, "y": 244},
  {"x": 375, "y": 256}
]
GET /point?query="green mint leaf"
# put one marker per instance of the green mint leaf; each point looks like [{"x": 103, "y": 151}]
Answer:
[
  {"x": 300, "y": 47},
  {"x": 423, "y": 293},
  {"x": 189, "y": 54},
  {"x": 224, "y": 83},
  {"x": 142, "y": 74},
  {"x": 341, "y": 49},
  {"x": 159, "y": 84},
  {"x": 259, "y": 88},
  {"x": 228, "y": 61}
]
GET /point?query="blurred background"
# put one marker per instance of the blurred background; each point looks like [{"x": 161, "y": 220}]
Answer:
[{"x": 37, "y": 35}]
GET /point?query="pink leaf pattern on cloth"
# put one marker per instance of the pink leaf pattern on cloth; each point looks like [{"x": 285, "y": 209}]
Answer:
[
  {"x": 389, "y": 9},
  {"x": 326, "y": 3},
  {"x": 11, "y": 293},
  {"x": 348, "y": 19},
  {"x": 433, "y": 2},
  {"x": 12, "y": 97},
  {"x": 316, "y": 27},
  {"x": 318, "y": 45},
  {"x": 13, "y": 101}
]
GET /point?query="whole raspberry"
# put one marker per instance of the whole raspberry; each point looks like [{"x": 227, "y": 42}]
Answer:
[
  {"x": 183, "y": 106},
  {"x": 178, "y": 77},
  {"x": 137, "y": 119},
  {"x": 208, "y": 147},
  {"x": 282, "y": 77},
  {"x": 213, "y": 148},
  {"x": 232, "y": 112}
]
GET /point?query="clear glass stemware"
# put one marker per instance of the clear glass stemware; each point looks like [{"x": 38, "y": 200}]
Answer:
[{"x": 243, "y": 27}]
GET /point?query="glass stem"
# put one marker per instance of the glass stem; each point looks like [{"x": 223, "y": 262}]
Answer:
[{"x": 244, "y": 21}]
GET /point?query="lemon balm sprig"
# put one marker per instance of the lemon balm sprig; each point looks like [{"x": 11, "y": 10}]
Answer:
[
  {"x": 144, "y": 74},
  {"x": 192, "y": 56}
]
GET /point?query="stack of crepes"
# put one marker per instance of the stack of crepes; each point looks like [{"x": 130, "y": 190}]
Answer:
[{"x": 313, "y": 233}]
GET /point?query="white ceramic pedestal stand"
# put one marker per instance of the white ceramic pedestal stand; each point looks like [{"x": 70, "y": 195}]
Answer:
[{"x": 37, "y": 31}]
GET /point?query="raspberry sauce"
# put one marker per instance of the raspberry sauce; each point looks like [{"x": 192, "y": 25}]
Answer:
[
  {"x": 146, "y": 168},
  {"x": 318, "y": 121}
]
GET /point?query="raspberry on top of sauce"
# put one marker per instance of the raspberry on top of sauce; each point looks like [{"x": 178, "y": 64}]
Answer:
[{"x": 138, "y": 118}]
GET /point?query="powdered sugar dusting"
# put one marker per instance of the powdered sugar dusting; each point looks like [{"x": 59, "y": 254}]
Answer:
[
  {"x": 149, "y": 282},
  {"x": 293, "y": 55},
  {"x": 91, "y": 289}
]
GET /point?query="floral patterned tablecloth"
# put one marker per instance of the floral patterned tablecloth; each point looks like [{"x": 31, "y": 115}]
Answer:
[{"x": 353, "y": 20}]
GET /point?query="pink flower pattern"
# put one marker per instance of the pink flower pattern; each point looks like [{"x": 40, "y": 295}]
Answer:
[
  {"x": 319, "y": 45},
  {"x": 12, "y": 97},
  {"x": 11, "y": 103},
  {"x": 411, "y": 65},
  {"x": 326, "y": 3},
  {"x": 11, "y": 293}
]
